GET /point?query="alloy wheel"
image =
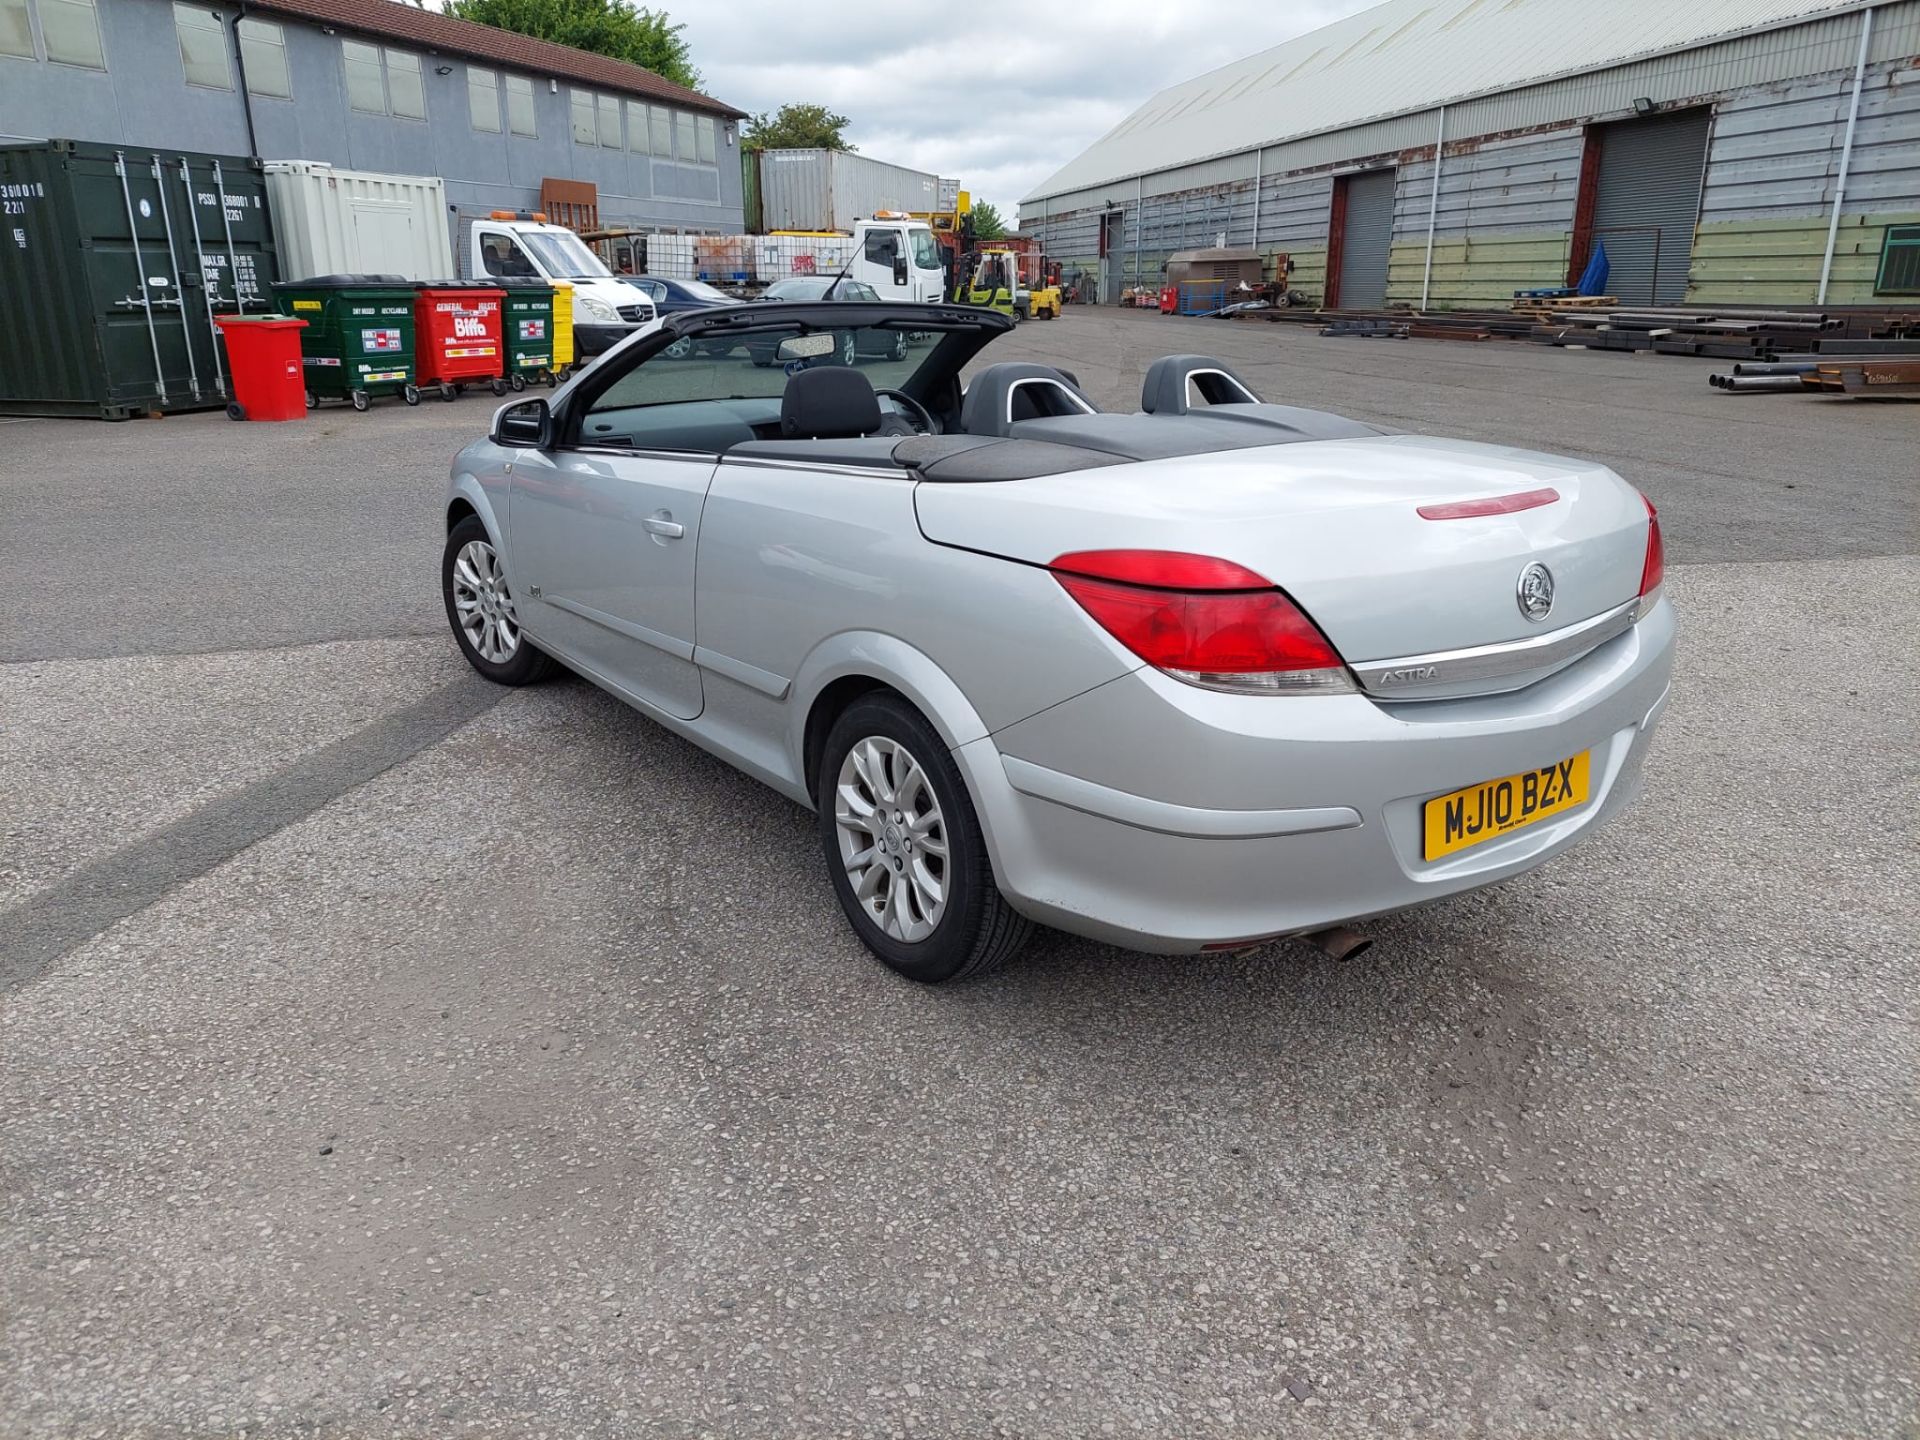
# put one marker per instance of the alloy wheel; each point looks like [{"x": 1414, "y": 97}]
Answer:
[
  {"x": 893, "y": 838},
  {"x": 483, "y": 603}
]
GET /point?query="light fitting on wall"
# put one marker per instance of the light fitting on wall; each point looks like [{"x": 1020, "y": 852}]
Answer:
[
  {"x": 729, "y": 128},
  {"x": 443, "y": 69},
  {"x": 1644, "y": 106}
]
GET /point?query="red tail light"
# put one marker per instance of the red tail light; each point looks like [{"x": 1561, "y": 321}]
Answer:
[
  {"x": 1206, "y": 621},
  {"x": 1655, "y": 569}
]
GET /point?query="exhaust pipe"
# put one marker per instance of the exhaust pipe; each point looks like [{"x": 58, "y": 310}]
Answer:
[{"x": 1338, "y": 942}]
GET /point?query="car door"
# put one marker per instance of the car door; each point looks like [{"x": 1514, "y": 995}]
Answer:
[{"x": 602, "y": 532}]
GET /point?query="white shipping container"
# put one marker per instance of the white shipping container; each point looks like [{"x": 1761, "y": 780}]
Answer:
[
  {"x": 830, "y": 189},
  {"x": 328, "y": 221}
]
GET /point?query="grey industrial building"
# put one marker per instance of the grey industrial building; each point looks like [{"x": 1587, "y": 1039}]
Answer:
[
  {"x": 505, "y": 120},
  {"x": 1721, "y": 151}
]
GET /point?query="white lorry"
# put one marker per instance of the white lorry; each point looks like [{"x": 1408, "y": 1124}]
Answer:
[
  {"x": 898, "y": 256},
  {"x": 506, "y": 244}
]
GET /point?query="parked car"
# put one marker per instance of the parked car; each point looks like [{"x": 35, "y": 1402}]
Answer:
[
  {"x": 1185, "y": 679},
  {"x": 671, "y": 297},
  {"x": 855, "y": 343}
]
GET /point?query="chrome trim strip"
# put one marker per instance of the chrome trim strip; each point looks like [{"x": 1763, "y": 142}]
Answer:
[
  {"x": 1444, "y": 669},
  {"x": 1166, "y": 818}
]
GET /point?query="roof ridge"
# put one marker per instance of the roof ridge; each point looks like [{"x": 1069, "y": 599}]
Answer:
[{"x": 435, "y": 29}]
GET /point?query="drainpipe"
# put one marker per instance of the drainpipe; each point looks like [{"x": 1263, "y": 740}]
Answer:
[
  {"x": 246, "y": 91},
  {"x": 1846, "y": 153},
  {"x": 1433, "y": 207}
]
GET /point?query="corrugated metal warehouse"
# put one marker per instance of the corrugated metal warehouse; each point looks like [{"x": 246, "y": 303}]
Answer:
[{"x": 1722, "y": 151}]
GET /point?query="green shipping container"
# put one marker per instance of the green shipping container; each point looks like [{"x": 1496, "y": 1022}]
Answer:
[{"x": 114, "y": 262}]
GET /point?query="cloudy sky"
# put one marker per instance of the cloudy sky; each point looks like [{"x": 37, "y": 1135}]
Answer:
[{"x": 998, "y": 93}]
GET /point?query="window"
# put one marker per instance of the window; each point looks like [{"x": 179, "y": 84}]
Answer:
[
  {"x": 365, "y": 89},
  {"x": 704, "y": 134},
  {"x": 1899, "y": 264},
  {"x": 585, "y": 131},
  {"x": 520, "y": 106},
  {"x": 263, "y": 51},
  {"x": 883, "y": 247},
  {"x": 686, "y": 147},
  {"x": 661, "y": 128},
  {"x": 398, "y": 92},
  {"x": 483, "y": 99},
  {"x": 16, "y": 29},
  {"x": 71, "y": 32},
  {"x": 609, "y": 121},
  {"x": 203, "y": 47},
  {"x": 926, "y": 254},
  {"x": 406, "y": 96},
  {"x": 500, "y": 256},
  {"x": 636, "y": 127}
]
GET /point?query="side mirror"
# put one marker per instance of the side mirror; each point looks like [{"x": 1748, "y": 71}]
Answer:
[
  {"x": 524, "y": 425},
  {"x": 899, "y": 269}
]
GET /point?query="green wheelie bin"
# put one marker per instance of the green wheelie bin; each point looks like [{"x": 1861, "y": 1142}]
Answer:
[
  {"x": 359, "y": 337},
  {"x": 528, "y": 327}
]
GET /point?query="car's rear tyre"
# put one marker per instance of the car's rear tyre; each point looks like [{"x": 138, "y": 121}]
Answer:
[
  {"x": 473, "y": 583},
  {"x": 904, "y": 847},
  {"x": 898, "y": 351}
]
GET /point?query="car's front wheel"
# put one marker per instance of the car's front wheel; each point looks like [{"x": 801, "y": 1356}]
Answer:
[
  {"x": 905, "y": 849},
  {"x": 480, "y": 609}
]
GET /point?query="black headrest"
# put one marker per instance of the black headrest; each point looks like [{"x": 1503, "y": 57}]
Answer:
[
  {"x": 828, "y": 402},
  {"x": 988, "y": 407},
  {"x": 1165, "y": 389}
]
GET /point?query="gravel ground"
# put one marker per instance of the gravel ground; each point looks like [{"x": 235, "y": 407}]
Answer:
[{"x": 501, "y": 1065}]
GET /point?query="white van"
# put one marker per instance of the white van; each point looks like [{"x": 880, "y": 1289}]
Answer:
[{"x": 605, "y": 308}]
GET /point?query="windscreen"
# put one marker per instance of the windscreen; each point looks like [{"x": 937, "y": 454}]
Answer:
[{"x": 564, "y": 256}]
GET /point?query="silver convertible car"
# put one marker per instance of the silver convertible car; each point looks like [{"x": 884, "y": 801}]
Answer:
[{"x": 1185, "y": 679}]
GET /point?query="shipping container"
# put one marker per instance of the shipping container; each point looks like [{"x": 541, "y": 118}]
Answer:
[
  {"x": 830, "y": 189},
  {"x": 328, "y": 221},
  {"x": 114, "y": 263}
]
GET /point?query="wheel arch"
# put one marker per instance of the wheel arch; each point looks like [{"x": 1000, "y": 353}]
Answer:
[
  {"x": 855, "y": 663},
  {"x": 467, "y": 496}
]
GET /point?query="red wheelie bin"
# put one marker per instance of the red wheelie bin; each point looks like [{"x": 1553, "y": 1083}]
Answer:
[
  {"x": 263, "y": 352},
  {"x": 457, "y": 335}
]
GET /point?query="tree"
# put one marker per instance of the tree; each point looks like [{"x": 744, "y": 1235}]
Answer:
[
  {"x": 618, "y": 29},
  {"x": 797, "y": 127},
  {"x": 987, "y": 224}
]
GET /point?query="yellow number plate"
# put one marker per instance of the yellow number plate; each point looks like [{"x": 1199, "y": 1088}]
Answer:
[{"x": 1499, "y": 807}]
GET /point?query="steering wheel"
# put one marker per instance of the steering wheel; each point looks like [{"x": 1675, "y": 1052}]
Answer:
[{"x": 917, "y": 413}]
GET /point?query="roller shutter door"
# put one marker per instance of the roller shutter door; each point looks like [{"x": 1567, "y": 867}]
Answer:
[
  {"x": 1367, "y": 240},
  {"x": 1647, "y": 203}
]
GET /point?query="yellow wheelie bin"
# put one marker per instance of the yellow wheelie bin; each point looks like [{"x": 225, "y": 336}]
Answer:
[{"x": 562, "y": 327}]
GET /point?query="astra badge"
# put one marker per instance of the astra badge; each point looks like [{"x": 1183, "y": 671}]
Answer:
[{"x": 1536, "y": 591}]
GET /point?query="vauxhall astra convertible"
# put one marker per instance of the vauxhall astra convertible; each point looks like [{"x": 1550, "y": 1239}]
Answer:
[{"x": 1185, "y": 679}]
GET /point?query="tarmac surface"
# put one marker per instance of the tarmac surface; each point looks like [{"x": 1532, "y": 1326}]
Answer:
[{"x": 385, "y": 1054}]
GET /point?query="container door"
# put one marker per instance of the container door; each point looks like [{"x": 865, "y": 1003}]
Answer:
[{"x": 170, "y": 249}]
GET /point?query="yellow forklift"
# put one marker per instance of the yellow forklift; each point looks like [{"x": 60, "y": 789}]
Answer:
[{"x": 997, "y": 284}]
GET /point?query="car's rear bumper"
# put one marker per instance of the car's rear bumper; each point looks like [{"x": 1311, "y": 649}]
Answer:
[{"x": 1162, "y": 817}]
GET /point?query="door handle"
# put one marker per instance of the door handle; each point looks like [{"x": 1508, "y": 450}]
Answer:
[{"x": 661, "y": 525}]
